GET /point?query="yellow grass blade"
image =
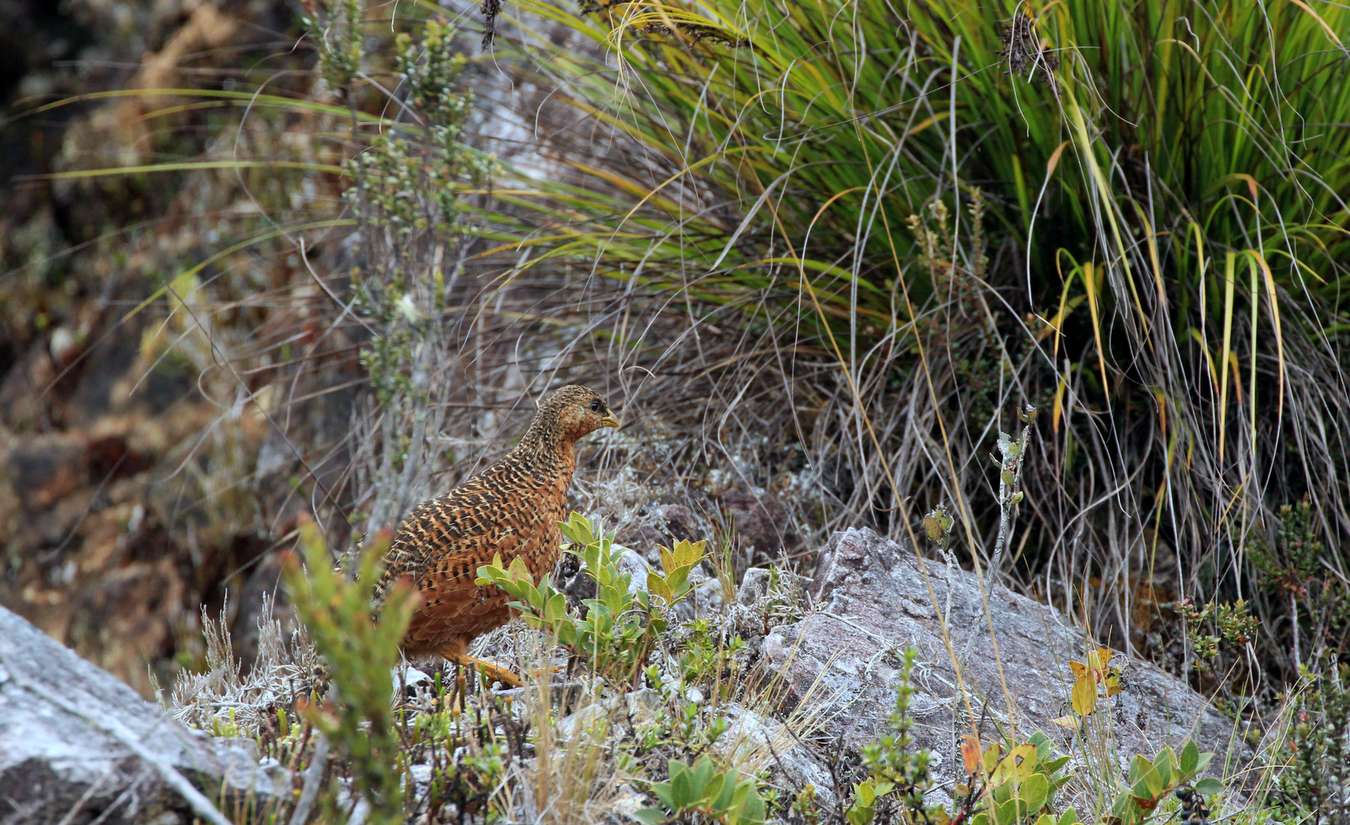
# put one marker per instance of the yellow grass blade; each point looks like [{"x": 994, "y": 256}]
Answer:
[
  {"x": 192, "y": 166},
  {"x": 1224, "y": 351}
]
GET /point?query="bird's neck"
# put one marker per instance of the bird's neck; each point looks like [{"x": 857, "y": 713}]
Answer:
[{"x": 548, "y": 453}]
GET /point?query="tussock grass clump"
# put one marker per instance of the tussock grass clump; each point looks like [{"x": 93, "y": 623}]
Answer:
[
  {"x": 928, "y": 215},
  {"x": 226, "y": 695}
]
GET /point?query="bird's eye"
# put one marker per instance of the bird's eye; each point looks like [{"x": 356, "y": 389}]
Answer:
[{"x": 595, "y": 405}]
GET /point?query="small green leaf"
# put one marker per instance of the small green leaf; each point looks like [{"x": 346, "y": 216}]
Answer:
[
  {"x": 681, "y": 791},
  {"x": 1140, "y": 790},
  {"x": 650, "y": 816},
  {"x": 1190, "y": 758},
  {"x": 1002, "y": 792},
  {"x": 1035, "y": 791},
  {"x": 1138, "y": 767},
  {"x": 1205, "y": 759},
  {"x": 723, "y": 793},
  {"x": 1154, "y": 780},
  {"x": 752, "y": 810},
  {"x": 1208, "y": 786},
  {"x": 1008, "y": 812}
]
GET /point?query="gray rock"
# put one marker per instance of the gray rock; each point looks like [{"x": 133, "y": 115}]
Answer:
[
  {"x": 754, "y": 587},
  {"x": 631, "y": 562},
  {"x": 626, "y": 804},
  {"x": 754, "y": 742},
  {"x": 613, "y": 713},
  {"x": 657, "y": 525},
  {"x": 76, "y": 745},
  {"x": 842, "y": 661}
]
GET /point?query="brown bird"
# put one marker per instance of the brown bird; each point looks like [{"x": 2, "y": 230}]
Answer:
[{"x": 512, "y": 508}]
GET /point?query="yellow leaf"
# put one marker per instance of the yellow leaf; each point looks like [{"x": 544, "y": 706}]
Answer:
[
  {"x": 1094, "y": 661},
  {"x": 1069, "y": 722},
  {"x": 1105, "y": 654},
  {"x": 970, "y": 753},
  {"x": 657, "y": 586},
  {"x": 1079, "y": 669},
  {"x": 1084, "y": 696},
  {"x": 683, "y": 554},
  {"x": 1017, "y": 765},
  {"x": 991, "y": 757}
]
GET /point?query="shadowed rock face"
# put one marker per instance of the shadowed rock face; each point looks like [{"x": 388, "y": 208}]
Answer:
[
  {"x": 844, "y": 659},
  {"x": 74, "y": 739}
]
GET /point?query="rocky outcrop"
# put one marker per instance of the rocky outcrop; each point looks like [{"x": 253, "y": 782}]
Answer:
[
  {"x": 842, "y": 660},
  {"x": 78, "y": 746}
]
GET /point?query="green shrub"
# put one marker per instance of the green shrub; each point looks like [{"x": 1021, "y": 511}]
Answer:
[
  {"x": 1021, "y": 786},
  {"x": 721, "y": 795},
  {"x": 622, "y": 623},
  {"x": 711, "y": 658},
  {"x": 1296, "y": 574},
  {"x": 1151, "y": 781},
  {"x": 1003, "y": 786},
  {"x": 360, "y": 653},
  {"x": 897, "y": 773},
  {"x": 1130, "y": 207},
  {"x": 1312, "y": 779}
]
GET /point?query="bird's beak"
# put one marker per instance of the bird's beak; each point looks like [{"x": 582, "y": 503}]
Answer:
[{"x": 609, "y": 421}]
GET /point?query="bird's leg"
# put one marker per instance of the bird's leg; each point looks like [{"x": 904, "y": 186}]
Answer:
[
  {"x": 492, "y": 670},
  {"x": 458, "y": 652}
]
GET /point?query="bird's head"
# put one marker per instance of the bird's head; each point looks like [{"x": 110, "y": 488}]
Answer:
[{"x": 573, "y": 411}]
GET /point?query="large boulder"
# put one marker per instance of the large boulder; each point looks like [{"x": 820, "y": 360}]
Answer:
[
  {"x": 78, "y": 746},
  {"x": 842, "y": 660}
]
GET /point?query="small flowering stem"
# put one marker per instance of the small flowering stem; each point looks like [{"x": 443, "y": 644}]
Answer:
[{"x": 1009, "y": 489}]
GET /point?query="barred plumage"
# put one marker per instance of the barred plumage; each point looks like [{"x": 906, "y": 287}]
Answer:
[{"x": 513, "y": 508}]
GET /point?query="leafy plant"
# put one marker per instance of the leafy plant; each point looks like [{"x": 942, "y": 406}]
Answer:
[
  {"x": 1234, "y": 624},
  {"x": 708, "y": 657},
  {"x": 622, "y": 622},
  {"x": 1022, "y": 784},
  {"x": 335, "y": 25},
  {"x": 1150, "y": 781},
  {"x": 704, "y": 789},
  {"x": 467, "y": 770},
  {"x": 1297, "y": 571},
  {"x": 359, "y": 653}
]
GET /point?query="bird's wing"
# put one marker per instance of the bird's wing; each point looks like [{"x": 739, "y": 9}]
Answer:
[{"x": 447, "y": 538}]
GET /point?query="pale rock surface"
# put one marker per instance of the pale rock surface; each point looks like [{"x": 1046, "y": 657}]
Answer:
[
  {"x": 78, "y": 746},
  {"x": 841, "y": 661},
  {"x": 755, "y": 742}
]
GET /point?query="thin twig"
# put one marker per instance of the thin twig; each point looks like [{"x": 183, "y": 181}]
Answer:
[{"x": 313, "y": 776}]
